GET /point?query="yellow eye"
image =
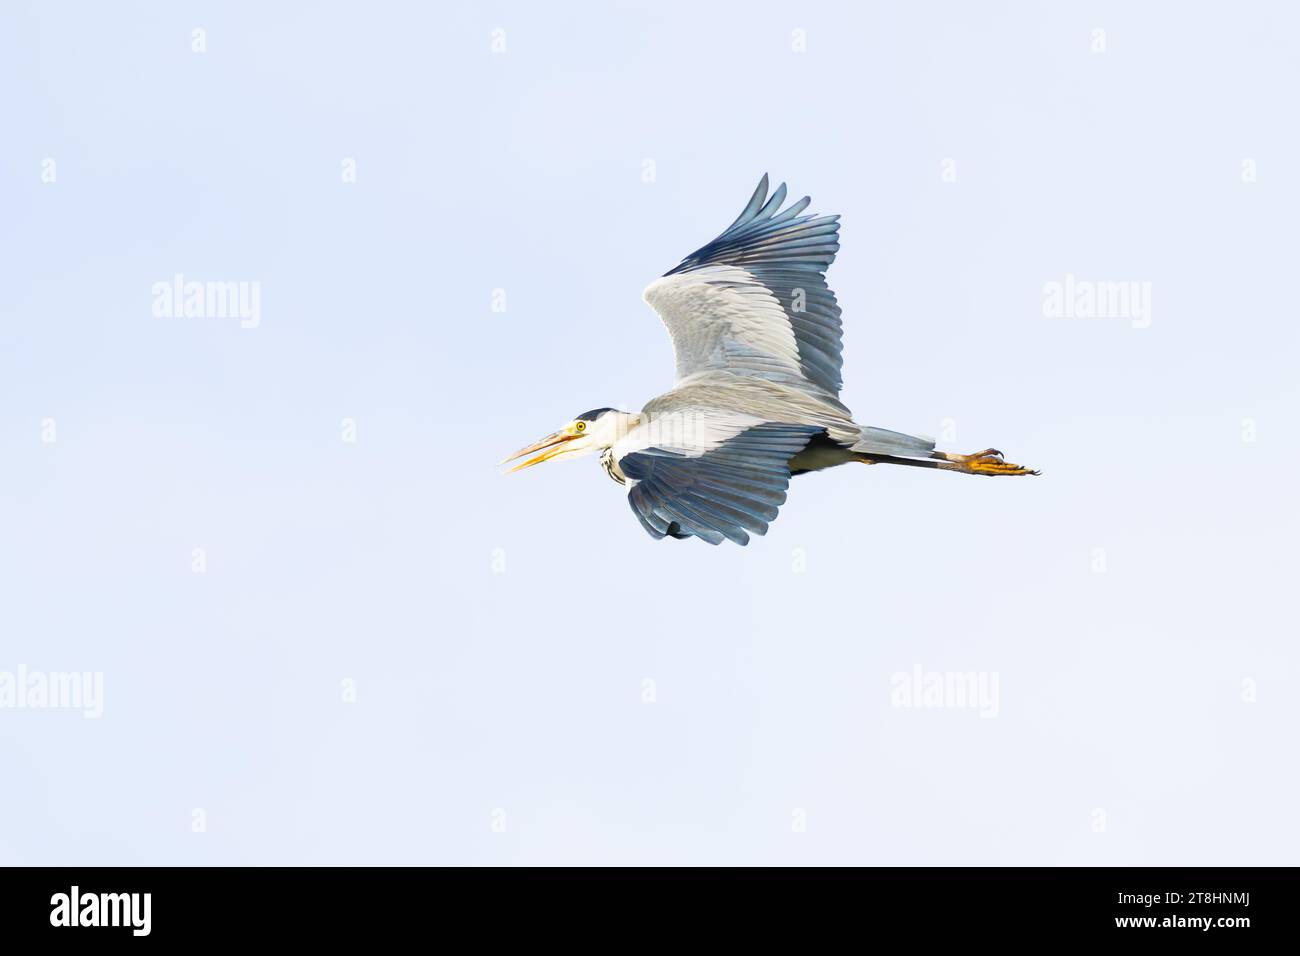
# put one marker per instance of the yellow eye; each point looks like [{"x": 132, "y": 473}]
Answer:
[{"x": 581, "y": 426}]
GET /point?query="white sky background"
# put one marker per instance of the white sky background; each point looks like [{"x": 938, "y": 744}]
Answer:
[{"x": 1119, "y": 692}]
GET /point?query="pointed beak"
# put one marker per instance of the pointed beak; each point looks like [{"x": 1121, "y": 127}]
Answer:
[{"x": 550, "y": 446}]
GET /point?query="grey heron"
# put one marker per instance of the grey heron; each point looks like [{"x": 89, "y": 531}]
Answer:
[{"x": 756, "y": 333}]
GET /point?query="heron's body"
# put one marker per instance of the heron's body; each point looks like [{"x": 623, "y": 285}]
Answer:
[{"x": 756, "y": 332}]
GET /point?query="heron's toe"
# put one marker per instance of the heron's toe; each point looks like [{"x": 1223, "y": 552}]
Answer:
[{"x": 991, "y": 463}]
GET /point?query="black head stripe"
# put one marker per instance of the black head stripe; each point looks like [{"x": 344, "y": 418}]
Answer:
[{"x": 592, "y": 415}]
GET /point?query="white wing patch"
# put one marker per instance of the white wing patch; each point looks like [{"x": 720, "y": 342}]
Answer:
[
  {"x": 688, "y": 431},
  {"x": 721, "y": 317}
]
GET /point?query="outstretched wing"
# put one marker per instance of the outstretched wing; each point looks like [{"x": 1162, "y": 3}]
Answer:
[
  {"x": 754, "y": 301},
  {"x": 714, "y": 479}
]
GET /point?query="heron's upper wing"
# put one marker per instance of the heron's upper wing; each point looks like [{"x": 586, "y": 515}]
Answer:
[
  {"x": 709, "y": 476},
  {"x": 754, "y": 301}
]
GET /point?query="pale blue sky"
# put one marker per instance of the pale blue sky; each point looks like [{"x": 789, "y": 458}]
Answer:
[{"x": 1119, "y": 692}]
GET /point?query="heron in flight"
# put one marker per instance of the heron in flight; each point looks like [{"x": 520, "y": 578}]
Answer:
[{"x": 756, "y": 333}]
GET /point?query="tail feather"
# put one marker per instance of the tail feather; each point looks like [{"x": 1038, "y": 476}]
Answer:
[{"x": 882, "y": 441}]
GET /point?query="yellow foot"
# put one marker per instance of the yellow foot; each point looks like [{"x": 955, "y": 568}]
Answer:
[{"x": 986, "y": 462}]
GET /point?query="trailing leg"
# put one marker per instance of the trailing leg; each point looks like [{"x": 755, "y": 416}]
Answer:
[{"x": 988, "y": 462}]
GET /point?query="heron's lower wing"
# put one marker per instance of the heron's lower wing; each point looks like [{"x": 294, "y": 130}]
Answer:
[{"x": 723, "y": 493}]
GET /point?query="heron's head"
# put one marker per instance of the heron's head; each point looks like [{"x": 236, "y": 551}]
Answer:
[{"x": 589, "y": 432}]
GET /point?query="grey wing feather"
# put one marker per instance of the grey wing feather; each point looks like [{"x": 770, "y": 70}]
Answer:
[
  {"x": 724, "y": 494},
  {"x": 788, "y": 255}
]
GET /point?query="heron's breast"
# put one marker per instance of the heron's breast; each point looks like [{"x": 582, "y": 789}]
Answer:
[{"x": 611, "y": 466}]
